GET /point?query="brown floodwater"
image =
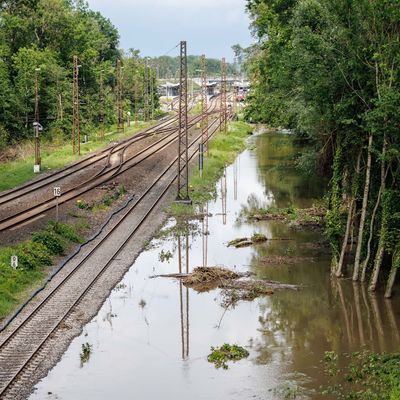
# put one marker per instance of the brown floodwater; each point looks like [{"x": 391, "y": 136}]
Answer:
[{"x": 151, "y": 338}]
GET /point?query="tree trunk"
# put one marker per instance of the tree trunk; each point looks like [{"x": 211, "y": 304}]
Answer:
[
  {"x": 382, "y": 235},
  {"x": 363, "y": 211},
  {"x": 393, "y": 272},
  {"x": 339, "y": 267}
]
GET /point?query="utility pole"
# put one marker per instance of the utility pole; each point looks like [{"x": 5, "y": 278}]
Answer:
[
  {"x": 136, "y": 101},
  {"x": 183, "y": 170},
  {"x": 36, "y": 125},
  {"x": 76, "y": 133},
  {"x": 204, "y": 106},
  {"x": 151, "y": 83},
  {"x": 120, "y": 112},
  {"x": 146, "y": 92},
  {"x": 101, "y": 117},
  {"x": 223, "y": 117}
]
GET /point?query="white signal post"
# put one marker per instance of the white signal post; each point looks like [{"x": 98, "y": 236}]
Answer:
[
  {"x": 14, "y": 262},
  {"x": 57, "y": 194}
]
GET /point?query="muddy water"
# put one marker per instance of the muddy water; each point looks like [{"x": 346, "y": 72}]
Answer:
[{"x": 151, "y": 338}]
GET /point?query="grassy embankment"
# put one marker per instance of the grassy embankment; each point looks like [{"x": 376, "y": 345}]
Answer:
[
  {"x": 36, "y": 255},
  {"x": 54, "y": 156},
  {"x": 224, "y": 148},
  {"x": 34, "y": 258}
]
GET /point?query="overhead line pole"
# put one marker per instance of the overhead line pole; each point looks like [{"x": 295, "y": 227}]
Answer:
[
  {"x": 183, "y": 170},
  {"x": 36, "y": 125},
  {"x": 146, "y": 92},
  {"x": 101, "y": 104},
  {"x": 120, "y": 112},
  {"x": 76, "y": 133},
  {"x": 223, "y": 105},
  {"x": 204, "y": 114}
]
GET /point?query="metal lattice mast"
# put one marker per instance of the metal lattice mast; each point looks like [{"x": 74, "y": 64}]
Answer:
[
  {"x": 223, "y": 105},
  {"x": 76, "y": 133},
  {"x": 183, "y": 187},
  {"x": 36, "y": 124},
  {"x": 204, "y": 105},
  {"x": 136, "y": 101},
  {"x": 151, "y": 83},
  {"x": 101, "y": 98},
  {"x": 146, "y": 92},
  {"x": 120, "y": 113}
]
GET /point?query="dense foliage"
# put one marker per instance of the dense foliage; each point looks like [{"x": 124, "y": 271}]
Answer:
[
  {"x": 45, "y": 35},
  {"x": 330, "y": 71}
]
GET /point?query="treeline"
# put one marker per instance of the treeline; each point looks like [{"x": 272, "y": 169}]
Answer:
[
  {"x": 168, "y": 67},
  {"x": 40, "y": 37},
  {"x": 330, "y": 71}
]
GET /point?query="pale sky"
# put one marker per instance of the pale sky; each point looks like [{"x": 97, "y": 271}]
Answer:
[{"x": 155, "y": 26}]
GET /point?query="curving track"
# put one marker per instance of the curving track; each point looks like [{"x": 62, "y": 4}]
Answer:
[{"x": 105, "y": 174}]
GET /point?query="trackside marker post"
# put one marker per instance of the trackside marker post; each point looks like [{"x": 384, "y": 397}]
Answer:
[
  {"x": 14, "y": 262},
  {"x": 57, "y": 194}
]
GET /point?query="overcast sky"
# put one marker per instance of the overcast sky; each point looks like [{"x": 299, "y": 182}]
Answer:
[{"x": 155, "y": 26}]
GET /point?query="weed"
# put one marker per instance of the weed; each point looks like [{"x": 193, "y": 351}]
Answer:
[
  {"x": 85, "y": 353},
  {"x": 142, "y": 303},
  {"x": 221, "y": 355},
  {"x": 165, "y": 256}
]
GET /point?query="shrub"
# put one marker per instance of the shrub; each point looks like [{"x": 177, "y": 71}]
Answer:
[{"x": 50, "y": 240}]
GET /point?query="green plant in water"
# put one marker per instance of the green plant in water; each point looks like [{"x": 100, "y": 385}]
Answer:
[
  {"x": 219, "y": 356},
  {"x": 85, "y": 353},
  {"x": 165, "y": 256}
]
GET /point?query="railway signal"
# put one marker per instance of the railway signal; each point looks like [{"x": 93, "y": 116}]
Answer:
[{"x": 183, "y": 170}]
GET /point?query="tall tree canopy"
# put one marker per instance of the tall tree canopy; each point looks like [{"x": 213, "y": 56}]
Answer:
[{"x": 330, "y": 71}]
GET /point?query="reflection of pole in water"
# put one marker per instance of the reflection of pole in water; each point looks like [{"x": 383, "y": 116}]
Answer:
[
  {"x": 235, "y": 180},
  {"x": 184, "y": 296},
  {"x": 223, "y": 196},
  {"x": 205, "y": 234}
]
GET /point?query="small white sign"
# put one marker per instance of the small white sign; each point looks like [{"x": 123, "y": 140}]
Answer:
[
  {"x": 57, "y": 191},
  {"x": 14, "y": 262}
]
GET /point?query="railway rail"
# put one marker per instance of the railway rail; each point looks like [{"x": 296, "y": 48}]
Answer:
[
  {"x": 107, "y": 173},
  {"x": 24, "y": 345}
]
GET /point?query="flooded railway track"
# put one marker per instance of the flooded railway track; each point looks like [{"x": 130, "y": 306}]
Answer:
[{"x": 24, "y": 346}]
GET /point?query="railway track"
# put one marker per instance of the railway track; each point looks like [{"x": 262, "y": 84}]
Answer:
[
  {"x": 24, "y": 345},
  {"x": 107, "y": 173},
  {"x": 29, "y": 187}
]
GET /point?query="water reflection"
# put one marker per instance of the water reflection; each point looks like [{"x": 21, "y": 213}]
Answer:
[
  {"x": 183, "y": 263},
  {"x": 141, "y": 349}
]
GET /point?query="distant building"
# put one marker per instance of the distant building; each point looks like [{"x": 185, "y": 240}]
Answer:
[{"x": 169, "y": 89}]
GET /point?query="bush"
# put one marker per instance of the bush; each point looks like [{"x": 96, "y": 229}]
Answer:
[
  {"x": 50, "y": 240},
  {"x": 66, "y": 231},
  {"x": 33, "y": 255}
]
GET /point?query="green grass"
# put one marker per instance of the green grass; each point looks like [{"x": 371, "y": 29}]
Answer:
[
  {"x": 34, "y": 258},
  {"x": 55, "y": 156},
  {"x": 367, "y": 375},
  {"x": 224, "y": 148}
]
